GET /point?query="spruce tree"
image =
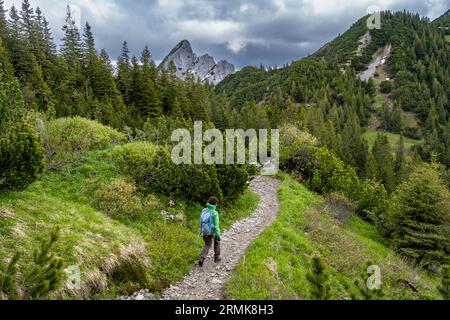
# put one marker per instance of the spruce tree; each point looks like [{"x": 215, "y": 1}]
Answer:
[
  {"x": 318, "y": 279},
  {"x": 382, "y": 154},
  {"x": 444, "y": 288},
  {"x": 421, "y": 216},
  {"x": 400, "y": 161}
]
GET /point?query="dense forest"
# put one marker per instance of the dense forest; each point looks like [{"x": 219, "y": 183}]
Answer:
[{"x": 68, "y": 112}]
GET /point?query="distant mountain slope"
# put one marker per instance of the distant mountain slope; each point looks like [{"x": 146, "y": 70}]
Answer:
[
  {"x": 203, "y": 68},
  {"x": 417, "y": 67},
  {"x": 443, "y": 22}
]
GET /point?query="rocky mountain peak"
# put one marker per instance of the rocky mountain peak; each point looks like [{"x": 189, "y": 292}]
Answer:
[{"x": 203, "y": 67}]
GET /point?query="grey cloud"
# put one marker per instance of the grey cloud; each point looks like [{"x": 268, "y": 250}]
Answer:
[{"x": 243, "y": 32}]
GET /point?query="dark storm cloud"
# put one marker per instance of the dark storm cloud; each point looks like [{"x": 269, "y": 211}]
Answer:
[{"x": 243, "y": 32}]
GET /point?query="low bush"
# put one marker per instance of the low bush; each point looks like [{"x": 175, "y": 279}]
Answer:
[
  {"x": 325, "y": 173},
  {"x": 154, "y": 172},
  {"x": 386, "y": 87},
  {"x": 168, "y": 263},
  {"x": 119, "y": 199},
  {"x": 64, "y": 137}
]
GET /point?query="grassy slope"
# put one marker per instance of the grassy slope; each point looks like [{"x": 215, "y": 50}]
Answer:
[
  {"x": 93, "y": 240},
  {"x": 276, "y": 264},
  {"x": 394, "y": 139}
]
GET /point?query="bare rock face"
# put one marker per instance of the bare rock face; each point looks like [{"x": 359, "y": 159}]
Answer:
[{"x": 203, "y": 68}]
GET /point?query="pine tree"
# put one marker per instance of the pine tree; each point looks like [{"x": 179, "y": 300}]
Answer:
[
  {"x": 383, "y": 156},
  {"x": 3, "y": 21},
  {"x": 27, "y": 24},
  {"x": 8, "y": 275},
  {"x": 400, "y": 161},
  {"x": 124, "y": 73},
  {"x": 420, "y": 217},
  {"x": 71, "y": 46},
  {"x": 21, "y": 153},
  {"x": 318, "y": 279},
  {"x": 363, "y": 290},
  {"x": 46, "y": 273},
  {"x": 444, "y": 288}
]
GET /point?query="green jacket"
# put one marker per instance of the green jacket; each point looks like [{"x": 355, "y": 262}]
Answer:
[{"x": 216, "y": 219}]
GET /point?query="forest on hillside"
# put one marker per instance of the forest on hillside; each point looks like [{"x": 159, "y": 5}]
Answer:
[{"x": 80, "y": 135}]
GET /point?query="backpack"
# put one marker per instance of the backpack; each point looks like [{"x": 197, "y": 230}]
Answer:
[{"x": 206, "y": 222}]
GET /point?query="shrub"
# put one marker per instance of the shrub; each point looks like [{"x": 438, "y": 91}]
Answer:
[
  {"x": 233, "y": 180},
  {"x": 293, "y": 140},
  {"x": 119, "y": 199},
  {"x": 21, "y": 154},
  {"x": 386, "y": 87},
  {"x": 154, "y": 172},
  {"x": 67, "y": 136},
  {"x": 167, "y": 262},
  {"x": 325, "y": 173}
]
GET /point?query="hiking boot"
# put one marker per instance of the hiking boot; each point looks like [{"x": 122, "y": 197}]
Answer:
[
  {"x": 200, "y": 263},
  {"x": 217, "y": 259}
]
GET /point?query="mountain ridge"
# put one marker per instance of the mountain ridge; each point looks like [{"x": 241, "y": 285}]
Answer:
[{"x": 202, "y": 67}]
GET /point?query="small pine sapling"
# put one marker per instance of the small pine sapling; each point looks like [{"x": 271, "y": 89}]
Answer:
[
  {"x": 318, "y": 279},
  {"x": 8, "y": 288},
  {"x": 369, "y": 284},
  {"x": 46, "y": 273}
]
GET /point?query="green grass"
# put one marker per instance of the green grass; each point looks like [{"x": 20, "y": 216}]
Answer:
[
  {"x": 98, "y": 244},
  {"x": 276, "y": 264},
  {"x": 394, "y": 139},
  {"x": 447, "y": 37}
]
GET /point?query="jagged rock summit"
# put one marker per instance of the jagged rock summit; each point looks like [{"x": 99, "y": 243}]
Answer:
[{"x": 204, "y": 67}]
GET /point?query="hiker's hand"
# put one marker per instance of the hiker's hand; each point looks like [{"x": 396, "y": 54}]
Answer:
[{"x": 219, "y": 238}]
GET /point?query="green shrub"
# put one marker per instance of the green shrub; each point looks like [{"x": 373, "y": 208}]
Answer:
[
  {"x": 325, "y": 173},
  {"x": 386, "y": 87},
  {"x": 21, "y": 154},
  {"x": 119, "y": 199},
  {"x": 67, "y": 136},
  {"x": 153, "y": 170},
  {"x": 168, "y": 263}
]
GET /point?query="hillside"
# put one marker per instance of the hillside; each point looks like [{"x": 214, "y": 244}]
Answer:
[
  {"x": 102, "y": 190},
  {"x": 308, "y": 224},
  {"x": 117, "y": 255}
]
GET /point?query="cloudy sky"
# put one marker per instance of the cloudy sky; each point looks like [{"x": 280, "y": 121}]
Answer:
[{"x": 243, "y": 32}]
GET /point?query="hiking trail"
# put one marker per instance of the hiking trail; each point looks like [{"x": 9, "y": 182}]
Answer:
[{"x": 207, "y": 283}]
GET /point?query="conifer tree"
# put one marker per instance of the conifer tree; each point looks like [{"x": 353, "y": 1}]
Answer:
[
  {"x": 318, "y": 279},
  {"x": 444, "y": 288},
  {"x": 46, "y": 273},
  {"x": 383, "y": 156},
  {"x": 71, "y": 46},
  {"x": 21, "y": 153},
  {"x": 27, "y": 23},
  {"x": 8, "y": 275},
  {"x": 363, "y": 290},
  {"x": 421, "y": 216},
  {"x": 124, "y": 73},
  {"x": 400, "y": 161}
]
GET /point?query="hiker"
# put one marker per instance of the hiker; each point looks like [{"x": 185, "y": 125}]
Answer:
[{"x": 210, "y": 230}]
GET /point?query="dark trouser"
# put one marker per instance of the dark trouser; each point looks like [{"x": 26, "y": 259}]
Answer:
[{"x": 208, "y": 242}]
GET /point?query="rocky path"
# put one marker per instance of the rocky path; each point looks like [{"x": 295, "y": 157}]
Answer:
[{"x": 207, "y": 283}]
